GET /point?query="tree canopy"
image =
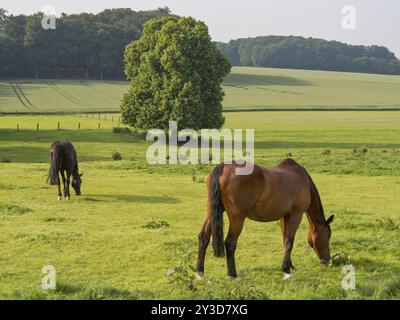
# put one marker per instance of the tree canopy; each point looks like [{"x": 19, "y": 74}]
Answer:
[
  {"x": 82, "y": 45},
  {"x": 309, "y": 53},
  {"x": 176, "y": 73}
]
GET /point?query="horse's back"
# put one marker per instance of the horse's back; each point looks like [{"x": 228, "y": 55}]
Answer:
[
  {"x": 267, "y": 193},
  {"x": 65, "y": 152},
  {"x": 240, "y": 192}
]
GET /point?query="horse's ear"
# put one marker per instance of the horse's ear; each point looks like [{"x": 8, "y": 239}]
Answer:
[
  {"x": 81, "y": 174},
  {"x": 330, "y": 219}
]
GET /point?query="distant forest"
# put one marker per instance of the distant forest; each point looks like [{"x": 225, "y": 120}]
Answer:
[
  {"x": 83, "y": 46},
  {"x": 309, "y": 53},
  {"x": 91, "y": 46}
]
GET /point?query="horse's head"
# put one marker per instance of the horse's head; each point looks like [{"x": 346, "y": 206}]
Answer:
[
  {"x": 318, "y": 239},
  {"x": 76, "y": 183}
]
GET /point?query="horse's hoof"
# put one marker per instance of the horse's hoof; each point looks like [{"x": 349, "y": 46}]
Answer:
[
  {"x": 287, "y": 276},
  {"x": 200, "y": 275},
  {"x": 67, "y": 198},
  {"x": 59, "y": 198},
  {"x": 235, "y": 278}
]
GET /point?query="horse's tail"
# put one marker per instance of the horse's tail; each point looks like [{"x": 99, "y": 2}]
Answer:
[
  {"x": 316, "y": 203},
  {"x": 216, "y": 209},
  {"x": 53, "y": 176}
]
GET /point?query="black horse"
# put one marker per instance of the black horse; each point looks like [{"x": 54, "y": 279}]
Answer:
[{"x": 63, "y": 160}]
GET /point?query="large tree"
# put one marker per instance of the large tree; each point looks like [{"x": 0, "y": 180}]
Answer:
[{"x": 176, "y": 73}]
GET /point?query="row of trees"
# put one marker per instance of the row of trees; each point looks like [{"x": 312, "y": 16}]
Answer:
[
  {"x": 82, "y": 45},
  {"x": 309, "y": 53}
]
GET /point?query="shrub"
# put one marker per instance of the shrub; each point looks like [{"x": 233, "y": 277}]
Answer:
[
  {"x": 6, "y": 160},
  {"x": 359, "y": 152},
  {"x": 155, "y": 224},
  {"x": 116, "y": 156},
  {"x": 121, "y": 130},
  {"x": 326, "y": 152}
]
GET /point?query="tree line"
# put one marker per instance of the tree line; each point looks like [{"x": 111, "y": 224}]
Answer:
[
  {"x": 309, "y": 53},
  {"x": 85, "y": 45},
  {"x": 91, "y": 46}
]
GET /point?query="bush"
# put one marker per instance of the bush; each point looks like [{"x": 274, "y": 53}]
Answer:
[
  {"x": 326, "y": 152},
  {"x": 121, "y": 130},
  {"x": 155, "y": 224},
  {"x": 116, "y": 156},
  {"x": 360, "y": 151},
  {"x": 6, "y": 160}
]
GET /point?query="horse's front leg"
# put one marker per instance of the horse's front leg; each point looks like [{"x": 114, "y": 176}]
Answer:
[
  {"x": 59, "y": 190},
  {"x": 235, "y": 228},
  {"x": 68, "y": 195},
  {"x": 289, "y": 225},
  {"x": 204, "y": 240}
]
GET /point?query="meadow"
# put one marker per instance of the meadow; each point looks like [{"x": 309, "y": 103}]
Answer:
[
  {"x": 133, "y": 232},
  {"x": 245, "y": 88}
]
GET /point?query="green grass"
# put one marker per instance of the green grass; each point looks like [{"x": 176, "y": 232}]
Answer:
[
  {"x": 265, "y": 88},
  {"x": 60, "y": 95},
  {"x": 245, "y": 88},
  {"x": 136, "y": 223}
]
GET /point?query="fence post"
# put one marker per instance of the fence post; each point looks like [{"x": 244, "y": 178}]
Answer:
[
  {"x": 17, "y": 127},
  {"x": 99, "y": 126},
  {"x": 37, "y": 126},
  {"x": 79, "y": 126},
  {"x": 58, "y": 126}
]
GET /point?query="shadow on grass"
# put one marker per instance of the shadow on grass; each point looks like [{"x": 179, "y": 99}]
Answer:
[
  {"x": 129, "y": 198},
  {"x": 369, "y": 265},
  {"x": 74, "y": 135},
  {"x": 102, "y": 293},
  {"x": 81, "y": 292},
  {"x": 25, "y": 154},
  {"x": 263, "y": 144},
  {"x": 242, "y": 79}
]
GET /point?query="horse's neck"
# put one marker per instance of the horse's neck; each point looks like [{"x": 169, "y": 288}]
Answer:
[
  {"x": 316, "y": 218},
  {"x": 75, "y": 170}
]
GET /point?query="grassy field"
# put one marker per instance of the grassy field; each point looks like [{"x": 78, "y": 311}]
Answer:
[
  {"x": 135, "y": 223},
  {"x": 245, "y": 88}
]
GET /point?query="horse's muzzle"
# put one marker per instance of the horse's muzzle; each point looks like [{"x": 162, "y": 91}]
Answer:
[{"x": 325, "y": 260}]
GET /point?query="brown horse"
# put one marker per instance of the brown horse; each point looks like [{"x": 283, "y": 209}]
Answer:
[{"x": 283, "y": 192}]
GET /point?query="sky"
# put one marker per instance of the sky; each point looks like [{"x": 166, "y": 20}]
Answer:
[{"x": 376, "y": 21}]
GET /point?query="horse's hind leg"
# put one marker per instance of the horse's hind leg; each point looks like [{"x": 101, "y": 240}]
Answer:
[
  {"x": 289, "y": 225},
  {"x": 204, "y": 240},
  {"x": 235, "y": 228}
]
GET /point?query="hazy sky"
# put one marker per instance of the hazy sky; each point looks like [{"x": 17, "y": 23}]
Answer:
[{"x": 377, "y": 21}]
